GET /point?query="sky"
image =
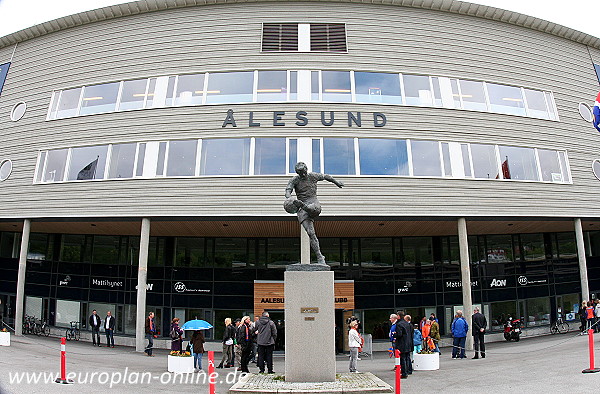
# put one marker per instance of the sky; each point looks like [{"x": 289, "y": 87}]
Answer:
[{"x": 582, "y": 15}]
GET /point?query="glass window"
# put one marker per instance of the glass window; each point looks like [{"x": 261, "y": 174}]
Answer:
[
  {"x": 316, "y": 155},
  {"x": 106, "y": 249},
  {"x": 227, "y": 156},
  {"x": 377, "y": 88},
  {"x": 150, "y": 94},
  {"x": 446, "y": 156},
  {"x": 190, "y": 89},
  {"x": 533, "y": 247},
  {"x": 55, "y": 165},
  {"x": 383, "y": 156},
  {"x": 505, "y": 99},
  {"x": 233, "y": 87},
  {"x": 69, "y": 103},
  {"x": 426, "y": 158},
  {"x": 417, "y": 250},
  {"x": 40, "y": 168},
  {"x": 567, "y": 245},
  {"x": 121, "y": 161},
  {"x": 473, "y": 96},
  {"x": 170, "y": 91},
  {"x": 39, "y": 247},
  {"x": 133, "y": 94},
  {"x": 269, "y": 156},
  {"x": 293, "y": 143},
  {"x": 376, "y": 252},
  {"x": 485, "y": 164},
  {"x": 538, "y": 311},
  {"x": 550, "y": 165},
  {"x": 466, "y": 159},
  {"x": 564, "y": 167},
  {"x": 437, "y": 91},
  {"x": 455, "y": 93},
  {"x": 139, "y": 170},
  {"x": 33, "y": 306},
  {"x": 339, "y": 156},
  {"x": 499, "y": 249},
  {"x": 293, "y": 85},
  {"x": 314, "y": 85},
  {"x": 160, "y": 162},
  {"x": 99, "y": 98},
  {"x": 417, "y": 90},
  {"x": 536, "y": 104},
  {"x": 282, "y": 252},
  {"x": 336, "y": 86},
  {"x": 182, "y": 158},
  {"x": 75, "y": 248},
  {"x": 500, "y": 312},
  {"x": 190, "y": 252},
  {"x": 272, "y": 86},
  {"x": 230, "y": 252},
  {"x": 518, "y": 163},
  {"x": 551, "y": 106},
  {"x": 87, "y": 163},
  {"x": 66, "y": 312}
]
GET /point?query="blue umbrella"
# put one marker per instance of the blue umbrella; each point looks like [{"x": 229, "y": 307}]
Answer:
[{"x": 196, "y": 325}]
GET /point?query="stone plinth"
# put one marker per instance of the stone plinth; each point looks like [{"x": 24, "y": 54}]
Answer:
[
  {"x": 309, "y": 326},
  {"x": 346, "y": 383}
]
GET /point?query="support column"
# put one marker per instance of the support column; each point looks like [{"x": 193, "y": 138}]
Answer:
[
  {"x": 304, "y": 246},
  {"x": 140, "y": 334},
  {"x": 583, "y": 274},
  {"x": 21, "y": 277},
  {"x": 465, "y": 273}
]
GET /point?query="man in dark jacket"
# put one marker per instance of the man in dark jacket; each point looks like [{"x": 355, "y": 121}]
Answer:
[
  {"x": 403, "y": 335},
  {"x": 109, "y": 329},
  {"x": 150, "y": 329},
  {"x": 244, "y": 340},
  {"x": 479, "y": 325},
  {"x": 266, "y": 332},
  {"x": 95, "y": 324}
]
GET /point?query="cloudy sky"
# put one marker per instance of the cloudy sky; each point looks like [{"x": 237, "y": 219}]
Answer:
[{"x": 583, "y": 15}]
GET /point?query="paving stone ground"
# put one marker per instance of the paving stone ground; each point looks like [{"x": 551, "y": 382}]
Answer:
[{"x": 533, "y": 365}]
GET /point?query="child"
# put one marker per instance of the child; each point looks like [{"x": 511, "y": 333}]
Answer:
[{"x": 417, "y": 338}]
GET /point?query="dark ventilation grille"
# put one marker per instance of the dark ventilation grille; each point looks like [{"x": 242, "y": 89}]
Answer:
[
  {"x": 279, "y": 37},
  {"x": 328, "y": 37}
]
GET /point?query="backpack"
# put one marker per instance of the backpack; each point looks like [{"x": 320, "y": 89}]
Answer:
[{"x": 174, "y": 334}]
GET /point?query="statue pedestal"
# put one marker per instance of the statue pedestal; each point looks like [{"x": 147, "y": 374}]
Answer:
[{"x": 309, "y": 325}]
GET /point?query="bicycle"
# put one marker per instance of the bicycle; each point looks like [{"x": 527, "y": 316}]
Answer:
[
  {"x": 43, "y": 328},
  {"x": 73, "y": 332},
  {"x": 559, "y": 326},
  {"x": 28, "y": 324}
]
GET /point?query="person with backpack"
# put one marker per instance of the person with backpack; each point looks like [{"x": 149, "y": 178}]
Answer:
[
  {"x": 176, "y": 335},
  {"x": 460, "y": 327}
]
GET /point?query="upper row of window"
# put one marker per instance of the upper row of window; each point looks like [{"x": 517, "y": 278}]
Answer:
[
  {"x": 277, "y": 156},
  {"x": 302, "y": 86}
]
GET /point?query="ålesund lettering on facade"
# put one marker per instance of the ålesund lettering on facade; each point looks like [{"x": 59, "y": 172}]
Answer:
[
  {"x": 301, "y": 118},
  {"x": 279, "y": 300}
]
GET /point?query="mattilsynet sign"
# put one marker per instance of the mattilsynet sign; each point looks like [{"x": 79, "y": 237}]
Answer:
[{"x": 3, "y": 72}]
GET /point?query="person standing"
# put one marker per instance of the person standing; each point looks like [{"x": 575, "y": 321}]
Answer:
[
  {"x": 434, "y": 334},
  {"x": 254, "y": 351},
  {"x": 176, "y": 334},
  {"x": 597, "y": 313},
  {"x": 459, "y": 329},
  {"x": 393, "y": 320},
  {"x": 95, "y": 324},
  {"x": 237, "y": 348},
  {"x": 417, "y": 339},
  {"x": 266, "y": 334},
  {"x": 197, "y": 342},
  {"x": 408, "y": 319},
  {"x": 109, "y": 329},
  {"x": 244, "y": 339},
  {"x": 589, "y": 314},
  {"x": 403, "y": 335},
  {"x": 150, "y": 329},
  {"x": 479, "y": 326},
  {"x": 354, "y": 344},
  {"x": 228, "y": 340}
]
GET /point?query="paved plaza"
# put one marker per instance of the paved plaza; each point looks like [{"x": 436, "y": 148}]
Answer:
[{"x": 534, "y": 365}]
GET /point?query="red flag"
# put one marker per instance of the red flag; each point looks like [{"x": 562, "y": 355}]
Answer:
[{"x": 505, "y": 169}]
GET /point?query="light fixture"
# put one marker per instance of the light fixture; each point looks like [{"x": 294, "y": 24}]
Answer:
[
  {"x": 198, "y": 91},
  {"x": 268, "y": 90},
  {"x": 213, "y": 91},
  {"x": 510, "y": 224},
  {"x": 92, "y": 98},
  {"x": 337, "y": 90},
  {"x": 225, "y": 225},
  {"x": 462, "y": 95},
  {"x": 143, "y": 94}
]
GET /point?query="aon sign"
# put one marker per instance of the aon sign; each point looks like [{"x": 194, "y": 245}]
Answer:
[{"x": 498, "y": 283}]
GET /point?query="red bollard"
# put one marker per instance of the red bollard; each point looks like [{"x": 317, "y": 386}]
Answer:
[
  {"x": 211, "y": 372},
  {"x": 398, "y": 370},
  {"x": 63, "y": 363},
  {"x": 591, "y": 369}
]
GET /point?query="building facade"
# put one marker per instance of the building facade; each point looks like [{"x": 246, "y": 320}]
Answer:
[{"x": 146, "y": 148}]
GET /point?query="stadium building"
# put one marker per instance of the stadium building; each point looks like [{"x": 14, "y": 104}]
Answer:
[{"x": 146, "y": 148}]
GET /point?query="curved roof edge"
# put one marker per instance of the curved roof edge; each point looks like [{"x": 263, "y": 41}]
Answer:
[{"x": 453, "y": 6}]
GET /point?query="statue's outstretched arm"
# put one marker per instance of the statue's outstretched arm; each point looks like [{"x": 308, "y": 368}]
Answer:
[{"x": 331, "y": 179}]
